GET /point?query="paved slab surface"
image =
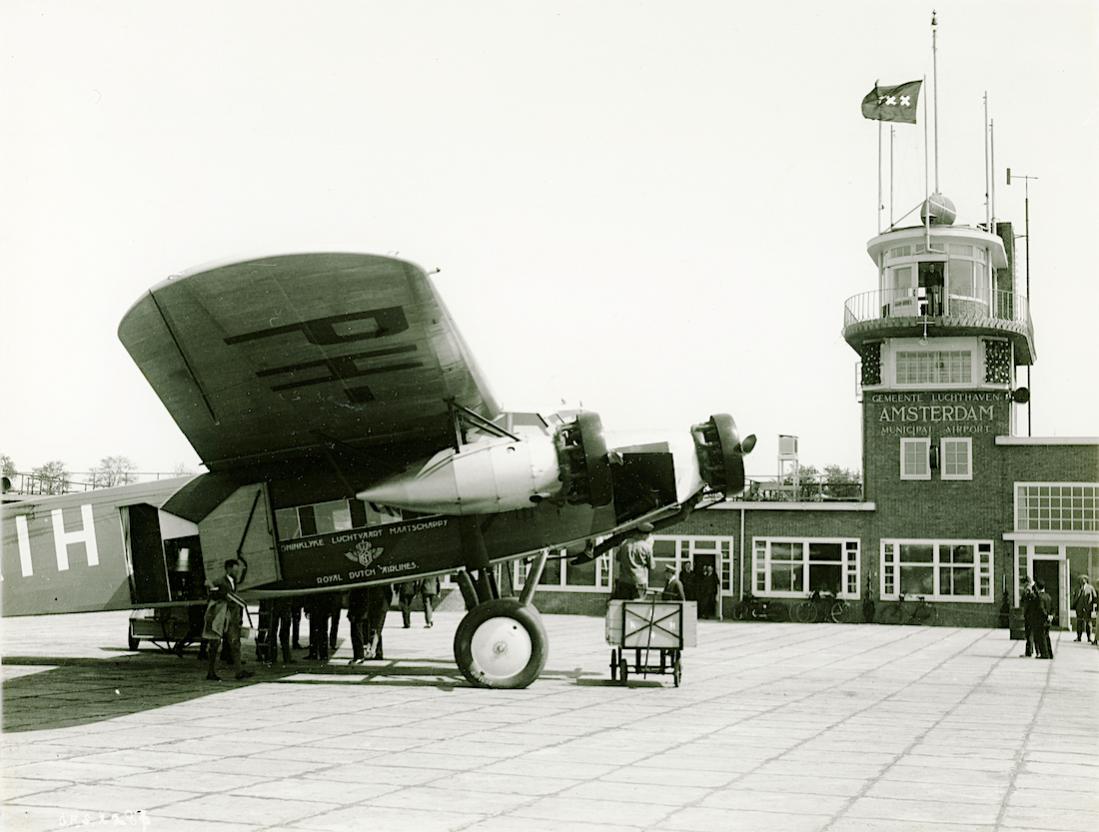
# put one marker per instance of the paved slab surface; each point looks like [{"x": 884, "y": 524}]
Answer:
[{"x": 787, "y": 727}]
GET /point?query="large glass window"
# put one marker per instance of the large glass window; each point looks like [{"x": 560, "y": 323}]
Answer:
[
  {"x": 947, "y": 570},
  {"x": 1069, "y": 507},
  {"x": 788, "y": 567},
  {"x": 934, "y": 367},
  {"x": 915, "y": 458},
  {"x": 330, "y": 516}
]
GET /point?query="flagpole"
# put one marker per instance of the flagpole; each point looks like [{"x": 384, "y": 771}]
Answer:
[
  {"x": 935, "y": 84},
  {"x": 892, "y": 134},
  {"x": 879, "y": 175},
  {"x": 992, "y": 164},
  {"x": 988, "y": 214},
  {"x": 926, "y": 195}
]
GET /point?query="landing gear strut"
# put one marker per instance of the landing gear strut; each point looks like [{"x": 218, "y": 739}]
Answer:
[{"x": 501, "y": 642}]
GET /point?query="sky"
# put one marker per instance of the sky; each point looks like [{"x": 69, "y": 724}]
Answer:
[{"x": 653, "y": 210}]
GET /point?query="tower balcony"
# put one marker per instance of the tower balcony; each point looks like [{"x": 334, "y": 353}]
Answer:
[{"x": 913, "y": 313}]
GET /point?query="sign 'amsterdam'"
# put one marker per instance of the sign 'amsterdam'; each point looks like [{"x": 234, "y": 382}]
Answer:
[{"x": 915, "y": 413}]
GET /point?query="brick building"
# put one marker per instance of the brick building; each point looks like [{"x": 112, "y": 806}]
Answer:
[{"x": 955, "y": 505}]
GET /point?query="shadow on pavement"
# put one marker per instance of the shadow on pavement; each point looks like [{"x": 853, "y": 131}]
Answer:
[{"x": 64, "y": 692}]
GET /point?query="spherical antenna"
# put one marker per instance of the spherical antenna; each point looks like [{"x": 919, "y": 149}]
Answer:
[{"x": 940, "y": 208}]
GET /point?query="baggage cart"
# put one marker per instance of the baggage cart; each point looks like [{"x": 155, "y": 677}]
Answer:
[{"x": 653, "y": 633}]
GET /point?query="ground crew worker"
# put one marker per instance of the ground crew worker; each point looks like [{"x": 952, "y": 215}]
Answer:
[
  {"x": 224, "y": 617},
  {"x": 1083, "y": 602},
  {"x": 378, "y": 599},
  {"x": 357, "y": 602},
  {"x": 673, "y": 587},
  {"x": 634, "y": 557}
]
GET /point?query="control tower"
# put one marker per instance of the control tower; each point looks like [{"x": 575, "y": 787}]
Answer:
[{"x": 939, "y": 341}]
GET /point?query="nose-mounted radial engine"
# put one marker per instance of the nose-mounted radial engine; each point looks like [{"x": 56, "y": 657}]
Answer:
[{"x": 500, "y": 470}]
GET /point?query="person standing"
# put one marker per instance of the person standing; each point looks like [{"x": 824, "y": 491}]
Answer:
[
  {"x": 295, "y": 621},
  {"x": 317, "y": 609},
  {"x": 281, "y": 622},
  {"x": 688, "y": 578},
  {"x": 673, "y": 587},
  {"x": 339, "y": 601},
  {"x": 707, "y": 592},
  {"x": 634, "y": 557},
  {"x": 406, "y": 594},
  {"x": 224, "y": 618},
  {"x": 1083, "y": 603},
  {"x": 429, "y": 591},
  {"x": 378, "y": 599},
  {"x": 1032, "y": 609},
  {"x": 1045, "y": 646},
  {"x": 357, "y": 603}
]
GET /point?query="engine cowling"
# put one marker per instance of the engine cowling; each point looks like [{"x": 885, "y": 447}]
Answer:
[
  {"x": 721, "y": 453},
  {"x": 497, "y": 474}
]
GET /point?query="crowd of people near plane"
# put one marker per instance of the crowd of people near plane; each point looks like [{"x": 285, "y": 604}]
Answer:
[{"x": 279, "y": 631}]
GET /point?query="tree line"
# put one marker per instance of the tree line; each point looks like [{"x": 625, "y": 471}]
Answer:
[{"x": 54, "y": 477}]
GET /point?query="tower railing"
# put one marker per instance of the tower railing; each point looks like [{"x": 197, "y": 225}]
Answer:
[{"x": 881, "y": 304}]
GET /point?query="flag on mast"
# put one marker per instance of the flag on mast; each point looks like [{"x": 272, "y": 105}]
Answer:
[{"x": 893, "y": 103}]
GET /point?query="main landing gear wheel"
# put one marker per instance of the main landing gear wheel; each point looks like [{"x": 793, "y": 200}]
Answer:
[
  {"x": 132, "y": 642},
  {"x": 501, "y": 644}
]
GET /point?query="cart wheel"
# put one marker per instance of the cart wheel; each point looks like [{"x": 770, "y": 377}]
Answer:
[
  {"x": 677, "y": 672},
  {"x": 624, "y": 670},
  {"x": 614, "y": 665},
  {"x": 132, "y": 642}
]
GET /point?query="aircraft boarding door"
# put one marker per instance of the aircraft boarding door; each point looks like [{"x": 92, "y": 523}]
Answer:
[
  {"x": 241, "y": 525},
  {"x": 144, "y": 554}
]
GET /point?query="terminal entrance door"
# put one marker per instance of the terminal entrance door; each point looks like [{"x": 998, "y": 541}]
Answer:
[
  {"x": 1047, "y": 563},
  {"x": 1048, "y": 571}
]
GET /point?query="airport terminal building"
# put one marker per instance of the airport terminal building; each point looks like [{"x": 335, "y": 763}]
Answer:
[{"x": 955, "y": 506}]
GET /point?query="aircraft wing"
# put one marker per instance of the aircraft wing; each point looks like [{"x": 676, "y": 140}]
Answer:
[{"x": 268, "y": 359}]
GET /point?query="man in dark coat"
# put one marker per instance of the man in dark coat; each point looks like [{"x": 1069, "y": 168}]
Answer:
[
  {"x": 1028, "y": 600},
  {"x": 357, "y": 602},
  {"x": 688, "y": 578},
  {"x": 1045, "y": 646},
  {"x": 378, "y": 599},
  {"x": 707, "y": 586}
]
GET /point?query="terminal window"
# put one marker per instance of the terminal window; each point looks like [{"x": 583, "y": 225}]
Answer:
[
  {"x": 934, "y": 367},
  {"x": 915, "y": 458},
  {"x": 787, "y": 567},
  {"x": 948, "y": 570},
  {"x": 957, "y": 458},
  {"x": 1069, "y": 507}
]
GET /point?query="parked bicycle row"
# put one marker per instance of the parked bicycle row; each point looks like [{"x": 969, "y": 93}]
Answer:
[{"x": 825, "y": 607}]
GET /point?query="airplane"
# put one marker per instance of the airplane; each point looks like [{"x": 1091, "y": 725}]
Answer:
[{"x": 349, "y": 439}]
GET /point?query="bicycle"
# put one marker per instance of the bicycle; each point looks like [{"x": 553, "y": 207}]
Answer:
[
  {"x": 903, "y": 613},
  {"x": 760, "y": 609},
  {"x": 821, "y": 607}
]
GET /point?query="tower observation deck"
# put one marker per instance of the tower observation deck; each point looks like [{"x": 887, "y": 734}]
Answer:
[{"x": 941, "y": 282}]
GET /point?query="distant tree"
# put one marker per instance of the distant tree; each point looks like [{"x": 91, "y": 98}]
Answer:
[
  {"x": 112, "y": 471},
  {"x": 182, "y": 469},
  {"x": 51, "y": 477},
  {"x": 7, "y": 466},
  {"x": 841, "y": 483}
]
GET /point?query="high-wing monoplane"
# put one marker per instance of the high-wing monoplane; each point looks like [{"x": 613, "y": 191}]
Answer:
[{"x": 349, "y": 439}]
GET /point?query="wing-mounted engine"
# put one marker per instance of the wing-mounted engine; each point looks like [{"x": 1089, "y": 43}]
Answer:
[
  {"x": 721, "y": 453},
  {"x": 585, "y": 471}
]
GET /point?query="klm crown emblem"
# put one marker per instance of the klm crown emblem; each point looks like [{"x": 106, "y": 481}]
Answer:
[{"x": 365, "y": 553}]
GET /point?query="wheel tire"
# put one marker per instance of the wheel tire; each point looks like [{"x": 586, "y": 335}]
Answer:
[
  {"x": 624, "y": 670},
  {"x": 838, "y": 613},
  {"x": 805, "y": 612},
  {"x": 778, "y": 612},
  {"x": 501, "y": 644},
  {"x": 132, "y": 642},
  {"x": 614, "y": 665}
]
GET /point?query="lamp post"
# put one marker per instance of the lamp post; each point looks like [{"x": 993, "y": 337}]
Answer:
[{"x": 1026, "y": 235}]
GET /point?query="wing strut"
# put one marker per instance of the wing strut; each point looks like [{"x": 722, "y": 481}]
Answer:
[{"x": 459, "y": 414}]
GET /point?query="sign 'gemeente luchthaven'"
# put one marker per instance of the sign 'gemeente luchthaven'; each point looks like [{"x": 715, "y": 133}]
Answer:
[
  {"x": 945, "y": 412},
  {"x": 390, "y": 551}
]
